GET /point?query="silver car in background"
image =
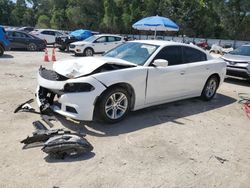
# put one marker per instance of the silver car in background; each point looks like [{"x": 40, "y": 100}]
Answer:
[{"x": 238, "y": 62}]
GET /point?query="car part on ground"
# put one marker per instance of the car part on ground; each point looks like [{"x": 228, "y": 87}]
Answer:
[
  {"x": 238, "y": 62},
  {"x": 47, "y": 120},
  {"x": 66, "y": 145},
  {"x": 245, "y": 100},
  {"x": 42, "y": 135},
  {"x": 23, "y": 106},
  {"x": 4, "y": 41}
]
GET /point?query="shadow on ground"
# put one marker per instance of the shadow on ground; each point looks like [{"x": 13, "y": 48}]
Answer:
[
  {"x": 152, "y": 116},
  {"x": 237, "y": 81},
  {"x": 6, "y": 56}
]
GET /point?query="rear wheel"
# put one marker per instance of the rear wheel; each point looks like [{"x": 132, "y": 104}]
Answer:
[
  {"x": 210, "y": 88},
  {"x": 88, "y": 52},
  {"x": 1, "y": 50},
  {"x": 32, "y": 47},
  {"x": 114, "y": 105}
]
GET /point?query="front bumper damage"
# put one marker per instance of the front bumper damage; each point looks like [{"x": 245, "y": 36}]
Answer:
[{"x": 50, "y": 95}]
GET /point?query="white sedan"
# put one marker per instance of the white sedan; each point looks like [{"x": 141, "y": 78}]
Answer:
[
  {"x": 96, "y": 44},
  {"x": 133, "y": 76}
]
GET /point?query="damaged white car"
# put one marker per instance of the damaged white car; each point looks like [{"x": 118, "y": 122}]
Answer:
[{"x": 133, "y": 76}]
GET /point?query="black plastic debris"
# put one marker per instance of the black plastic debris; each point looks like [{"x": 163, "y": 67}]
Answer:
[
  {"x": 47, "y": 120},
  {"x": 42, "y": 135},
  {"x": 25, "y": 106},
  {"x": 66, "y": 145}
]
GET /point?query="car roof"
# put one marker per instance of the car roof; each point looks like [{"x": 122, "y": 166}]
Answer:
[
  {"x": 107, "y": 35},
  {"x": 165, "y": 43}
]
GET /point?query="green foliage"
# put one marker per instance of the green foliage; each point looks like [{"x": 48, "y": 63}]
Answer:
[
  {"x": 196, "y": 18},
  {"x": 43, "y": 22}
]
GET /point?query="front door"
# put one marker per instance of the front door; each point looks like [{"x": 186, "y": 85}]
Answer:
[{"x": 167, "y": 83}]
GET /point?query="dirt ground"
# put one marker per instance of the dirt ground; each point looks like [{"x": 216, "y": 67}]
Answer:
[{"x": 178, "y": 145}]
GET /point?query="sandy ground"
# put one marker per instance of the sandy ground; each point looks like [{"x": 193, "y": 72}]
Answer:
[{"x": 172, "y": 145}]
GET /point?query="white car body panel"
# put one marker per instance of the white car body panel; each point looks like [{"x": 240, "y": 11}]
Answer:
[
  {"x": 82, "y": 66},
  {"x": 80, "y": 46},
  {"x": 151, "y": 85},
  {"x": 48, "y": 38}
]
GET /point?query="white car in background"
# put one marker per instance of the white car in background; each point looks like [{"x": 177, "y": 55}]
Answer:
[
  {"x": 96, "y": 44},
  {"x": 49, "y": 35},
  {"x": 135, "y": 75}
]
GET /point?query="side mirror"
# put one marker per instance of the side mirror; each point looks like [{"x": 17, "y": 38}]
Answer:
[{"x": 160, "y": 63}]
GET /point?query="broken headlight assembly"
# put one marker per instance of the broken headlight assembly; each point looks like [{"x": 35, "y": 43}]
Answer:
[{"x": 78, "y": 87}]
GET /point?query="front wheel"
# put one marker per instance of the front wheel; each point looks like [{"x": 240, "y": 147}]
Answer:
[
  {"x": 88, "y": 52},
  {"x": 32, "y": 47},
  {"x": 210, "y": 88},
  {"x": 114, "y": 105}
]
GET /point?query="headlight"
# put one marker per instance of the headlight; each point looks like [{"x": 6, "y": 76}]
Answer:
[{"x": 78, "y": 87}]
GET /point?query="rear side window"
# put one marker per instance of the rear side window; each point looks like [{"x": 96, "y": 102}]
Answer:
[
  {"x": 118, "y": 39},
  {"x": 173, "y": 54},
  {"x": 111, "y": 39},
  {"x": 191, "y": 55},
  {"x": 48, "y": 32}
]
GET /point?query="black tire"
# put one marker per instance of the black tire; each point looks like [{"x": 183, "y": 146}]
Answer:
[
  {"x": 32, "y": 47},
  {"x": 62, "y": 48},
  {"x": 210, "y": 88},
  {"x": 1, "y": 50},
  {"x": 88, "y": 52},
  {"x": 111, "y": 111}
]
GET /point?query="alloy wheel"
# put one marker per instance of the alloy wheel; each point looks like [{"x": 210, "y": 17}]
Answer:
[{"x": 116, "y": 105}]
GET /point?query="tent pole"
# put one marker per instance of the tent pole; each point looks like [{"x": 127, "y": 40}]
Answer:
[{"x": 155, "y": 34}]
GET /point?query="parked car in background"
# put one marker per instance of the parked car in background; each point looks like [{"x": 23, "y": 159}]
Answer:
[
  {"x": 26, "y": 29},
  {"x": 63, "y": 42},
  {"x": 132, "y": 76},
  {"x": 238, "y": 62},
  {"x": 22, "y": 40},
  {"x": 96, "y": 44},
  {"x": 216, "y": 48},
  {"x": 48, "y": 35},
  {"x": 203, "y": 44},
  {"x": 4, "y": 41}
]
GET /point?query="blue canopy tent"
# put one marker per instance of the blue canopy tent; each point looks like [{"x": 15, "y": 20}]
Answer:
[
  {"x": 81, "y": 34},
  {"x": 156, "y": 23}
]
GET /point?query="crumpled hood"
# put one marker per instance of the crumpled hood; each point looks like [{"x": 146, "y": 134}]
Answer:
[
  {"x": 73, "y": 68},
  {"x": 236, "y": 58}
]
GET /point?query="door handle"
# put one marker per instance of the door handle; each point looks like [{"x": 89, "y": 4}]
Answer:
[{"x": 182, "y": 72}]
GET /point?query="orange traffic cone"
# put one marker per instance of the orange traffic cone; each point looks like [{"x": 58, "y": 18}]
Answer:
[
  {"x": 53, "y": 54},
  {"x": 46, "y": 56}
]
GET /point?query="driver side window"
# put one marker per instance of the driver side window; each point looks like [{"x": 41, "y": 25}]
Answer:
[
  {"x": 173, "y": 54},
  {"x": 100, "y": 40}
]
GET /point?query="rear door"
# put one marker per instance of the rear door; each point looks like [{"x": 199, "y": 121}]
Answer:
[
  {"x": 113, "y": 42},
  {"x": 197, "y": 70}
]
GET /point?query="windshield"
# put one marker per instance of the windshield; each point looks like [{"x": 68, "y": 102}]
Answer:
[
  {"x": 91, "y": 39},
  {"x": 243, "y": 50},
  {"x": 137, "y": 53}
]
